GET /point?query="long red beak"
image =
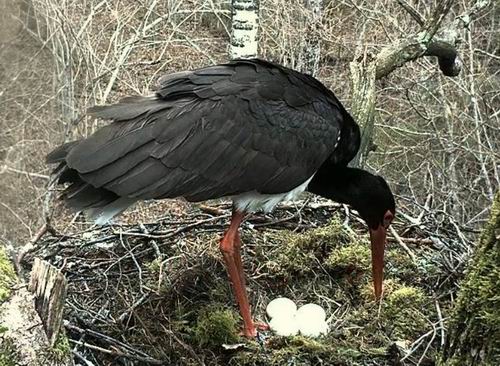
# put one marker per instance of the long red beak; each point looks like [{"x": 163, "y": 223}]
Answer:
[{"x": 377, "y": 237}]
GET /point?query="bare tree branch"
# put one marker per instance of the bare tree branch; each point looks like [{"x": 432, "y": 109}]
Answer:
[
  {"x": 412, "y": 11},
  {"x": 428, "y": 43},
  {"x": 432, "y": 24}
]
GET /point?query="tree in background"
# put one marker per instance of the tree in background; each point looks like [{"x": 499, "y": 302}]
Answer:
[
  {"x": 312, "y": 43},
  {"x": 434, "y": 38},
  {"x": 244, "y": 29}
]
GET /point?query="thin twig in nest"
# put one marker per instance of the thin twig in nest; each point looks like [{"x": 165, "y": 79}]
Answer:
[{"x": 404, "y": 246}]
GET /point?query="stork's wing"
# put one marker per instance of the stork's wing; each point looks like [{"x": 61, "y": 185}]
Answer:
[{"x": 214, "y": 132}]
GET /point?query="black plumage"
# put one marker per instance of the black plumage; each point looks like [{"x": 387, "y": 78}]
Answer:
[{"x": 249, "y": 125}]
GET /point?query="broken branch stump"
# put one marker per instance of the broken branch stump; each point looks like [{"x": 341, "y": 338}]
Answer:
[{"x": 49, "y": 286}]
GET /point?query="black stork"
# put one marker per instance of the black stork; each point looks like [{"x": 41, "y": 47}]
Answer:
[{"x": 251, "y": 130}]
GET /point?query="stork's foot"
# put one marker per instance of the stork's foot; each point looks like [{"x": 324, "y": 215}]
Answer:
[{"x": 251, "y": 332}]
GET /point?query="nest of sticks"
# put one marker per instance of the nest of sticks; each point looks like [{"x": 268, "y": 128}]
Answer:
[{"x": 157, "y": 293}]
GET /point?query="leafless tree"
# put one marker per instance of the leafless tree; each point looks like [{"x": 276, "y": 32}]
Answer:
[{"x": 432, "y": 39}]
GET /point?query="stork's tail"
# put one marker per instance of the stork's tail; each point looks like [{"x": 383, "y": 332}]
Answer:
[{"x": 98, "y": 203}]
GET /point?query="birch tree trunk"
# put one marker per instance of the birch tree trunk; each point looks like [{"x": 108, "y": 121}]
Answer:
[{"x": 244, "y": 29}]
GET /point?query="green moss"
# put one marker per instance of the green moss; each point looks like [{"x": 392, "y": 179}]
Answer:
[
  {"x": 403, "y": 312},
  {"x": 351, "y": 258},
  {"x": 299, "y": 351},
  {"x": 7, "y": 276},
  {"x": 474, "y": 331},
  {"x": 216, "y": 326},
  {"x": 367, "y": 296},
  {"x": 60, "y": 352},
  {"x": 154, "y": 266},
  {"x": 405, "y": 296},
  {"x": 299, "y": 251},
  {"x": 303, "y": 351},
  {"x": 8, "y": 354}
]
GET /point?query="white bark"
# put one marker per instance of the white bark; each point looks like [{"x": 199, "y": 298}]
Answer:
[{"x": 244, "y": 31}]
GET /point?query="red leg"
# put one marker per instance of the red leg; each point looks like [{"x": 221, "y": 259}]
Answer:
[
  {"x": 238, "y": 260},
  {"x": 230, "y": 248}
]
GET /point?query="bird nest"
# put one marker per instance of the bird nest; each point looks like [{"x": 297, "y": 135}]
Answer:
[{"x": 157, "y": 293}]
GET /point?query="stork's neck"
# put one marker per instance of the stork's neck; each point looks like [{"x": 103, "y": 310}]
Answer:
[
  {"x": 367, "y": 193},
  {"x": 341, "y": 184}
]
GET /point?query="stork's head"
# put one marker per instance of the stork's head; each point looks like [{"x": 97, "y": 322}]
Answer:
[
  {"x": 368, "y": 194},
  {"x": 377, "y": 208}
]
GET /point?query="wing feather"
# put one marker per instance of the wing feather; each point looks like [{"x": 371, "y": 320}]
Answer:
[{"x": 213, "y": 132}]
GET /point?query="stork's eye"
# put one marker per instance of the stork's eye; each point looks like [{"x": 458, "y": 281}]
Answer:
[{"x": 388, "y": 217}]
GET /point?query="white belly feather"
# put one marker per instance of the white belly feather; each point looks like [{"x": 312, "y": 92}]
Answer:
[
  {"x": 246, "y": 202},
  {"x": 254, "y": 201}
]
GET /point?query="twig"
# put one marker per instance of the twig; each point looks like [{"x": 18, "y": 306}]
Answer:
[
  {"x": 184, "y": 345},
  {"x": 29, "y": 174},
  {"x": 18, "y": 258},
  {"x": 434, "y": 331},
  {"x": 433, "y": 23},
  {"x": 152, "y": 242},
  {"x": 441, "y": 323},
  {"x": 421, "y": 241},
  {"x": 103, "y": 337},
  {"x": 487, "y": 53},
  {"x": 148, "y": 360},
  {"x": 211, "y": 210},
  {"x": 415, "y": 345},
  {"x": 126, "y": 313},
  {"x": 81, "y": 358},
  {"x": 174, "y": 232},
  {"x": 404, "y": 246}
]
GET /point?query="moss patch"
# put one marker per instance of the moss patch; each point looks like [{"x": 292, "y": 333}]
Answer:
[
  {"x": 61, "y": 350},
  {"x": 350, "y": 258},
  {"x": 8, "y": 354},
  {"x": 474, "y": 336},
  {"x": 403, "y": 309},
  {"x": 7, "y": 276},
  {"x": 299, "y": 252},
  {"x": 302, "y": 351},
  {"x": 216, "y": 326}
]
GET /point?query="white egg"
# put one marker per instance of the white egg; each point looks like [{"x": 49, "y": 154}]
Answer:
[
  {"x": 284, "y": 325},
  {"x": 281, "y": 306},
  {"x": 312, "y": 328},
  {"x": 311, "y": 311}
]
